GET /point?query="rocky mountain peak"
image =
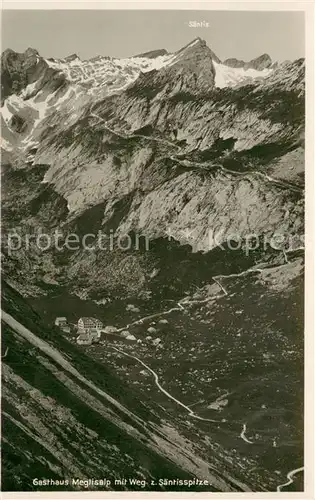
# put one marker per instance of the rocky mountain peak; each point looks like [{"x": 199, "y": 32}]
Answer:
[
  {"x": 72, "y": 57},
  {"x": 30, "y": 52},
  {"x": 195, "y": 63},
  {"x": 152, "y": 54},
  {"x": 17, "y": 70},
  {"x": 259, "y": 63},
  {"x": 200, "y": 160},
  {"x": 198, "y": 47},
  {"x": 7, "y": 53},
  {"x": 232, "y": 62}
]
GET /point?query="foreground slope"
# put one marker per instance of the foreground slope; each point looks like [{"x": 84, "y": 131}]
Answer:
[
  {"x": 65, "y": 415},
  {"x": 186, "y": 151}
]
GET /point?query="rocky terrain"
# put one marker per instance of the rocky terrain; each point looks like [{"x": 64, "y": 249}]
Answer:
[
  {"x": 65, "y": 416},
  {"x": 189, "y": 153}
]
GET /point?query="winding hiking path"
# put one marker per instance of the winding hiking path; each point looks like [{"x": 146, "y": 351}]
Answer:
[
  {"x": 156, "y": 379},
  {"x": 290, "y": 477},
  {"x": 252, "y": 270},
  {"x": 137, "y": 428},
  {"x": 5, "y": 354},
  {"x": 180, "y": 307},
  {"x": 152, "y": 316},
  {"x": 243, "y": 435},
  {"x": 202, "y": 166},
  {"x": 188, "y": 301},
  {"x": 119, "y": 134},
  {"x": 187, "y": 163},
  {"x": 224, "y": 290}
]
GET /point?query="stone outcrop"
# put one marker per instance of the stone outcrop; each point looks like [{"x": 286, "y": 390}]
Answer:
[{"x": 259, "y": 63}]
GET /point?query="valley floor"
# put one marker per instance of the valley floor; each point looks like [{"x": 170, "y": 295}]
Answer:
[{"x": 228, "y": 367}]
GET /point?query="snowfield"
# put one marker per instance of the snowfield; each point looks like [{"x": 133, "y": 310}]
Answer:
[{"x": 225, "y": 76}]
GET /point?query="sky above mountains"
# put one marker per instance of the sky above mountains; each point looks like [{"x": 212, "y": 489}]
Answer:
[{"x": 244, "y": 35}]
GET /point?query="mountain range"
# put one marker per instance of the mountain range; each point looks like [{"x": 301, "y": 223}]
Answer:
[{"x": 190, "y": 152}]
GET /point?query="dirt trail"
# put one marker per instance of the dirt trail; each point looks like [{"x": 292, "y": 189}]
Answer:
[
  {"x": 156, "y": 379},
  {"x": 290, "y": 477},
  {"x": 123, "y": 136}
]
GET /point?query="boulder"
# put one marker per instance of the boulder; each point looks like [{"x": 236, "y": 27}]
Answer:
[
  {"x": 163, "y": 321},
  {"x": 110, "y": 329},
  {"x": 151, "y": 329},
  {"x": 131, "y": 307},
  {"x": 156, "y": 341},
  {"x": 124, "y": 333}
]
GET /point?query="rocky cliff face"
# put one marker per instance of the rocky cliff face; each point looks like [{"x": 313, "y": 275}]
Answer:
[
  {"x": 192, "y": 158},
  {"x": 153, "y": 53},
  {"x": 186, "y": 151},
  {"x": 80, "y": 427},
  {"x": 19, "y": 71},
  {"x": 259, "y": 63}
]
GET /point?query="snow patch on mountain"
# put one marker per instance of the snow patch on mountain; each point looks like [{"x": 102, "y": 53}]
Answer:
[
  {"x": 6, "y": 112},
  {"x": 226, "y": 76},
  {"x": 4, "y": 144},
  {"x": 105, "y": 71},
  {"x": 41, "y": 107},
  {"x": 33, "y": 110}
]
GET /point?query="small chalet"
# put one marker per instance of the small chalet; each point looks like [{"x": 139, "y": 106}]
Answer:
[
  {"x": 95, "y": 334},
  {"x": 62, "y": 323},
  {"x": 84, "y": 339},
  {"x": 88, "y": 337}
]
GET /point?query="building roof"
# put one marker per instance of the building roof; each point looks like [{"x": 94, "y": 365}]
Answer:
[
  {"x": 90, "y": 321},
  {"x": 83, "y": 336},
  {"x": 124, "y": 333},
  {"x": 61, "y": 318}
]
